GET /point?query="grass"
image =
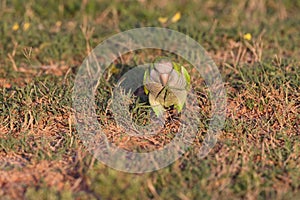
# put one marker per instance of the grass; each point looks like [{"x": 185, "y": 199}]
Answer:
[{"x": 257, "y": 154}]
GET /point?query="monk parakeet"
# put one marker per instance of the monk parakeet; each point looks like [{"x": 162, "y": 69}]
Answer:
[{"x": 166, "y": 83}]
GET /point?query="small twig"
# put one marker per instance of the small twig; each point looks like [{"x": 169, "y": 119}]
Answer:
[{"x": 12, "y": 62}]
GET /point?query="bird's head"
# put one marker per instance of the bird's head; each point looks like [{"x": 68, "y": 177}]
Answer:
[{"x": 162, "y": 72}]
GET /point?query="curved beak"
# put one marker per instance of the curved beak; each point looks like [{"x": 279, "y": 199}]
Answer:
[{"x": 164, "y": 79}]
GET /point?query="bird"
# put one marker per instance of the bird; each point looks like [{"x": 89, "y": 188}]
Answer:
[{"x": 166, "y": 83}]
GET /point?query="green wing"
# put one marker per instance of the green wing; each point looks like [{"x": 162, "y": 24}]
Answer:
[
  {"x": 187, "y": 77},
  {"x": 181, "y": 70},
  {"x": 146, "y": 75}
]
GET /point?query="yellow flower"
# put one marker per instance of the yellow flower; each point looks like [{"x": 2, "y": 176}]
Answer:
[
  {"x": 162, "y": 19},
  {"x": 247, "y": 36},
  {"x": 176, "y": 17},
  {"x": 26, "y": 26},
  {"x": 15, "y": 27}
]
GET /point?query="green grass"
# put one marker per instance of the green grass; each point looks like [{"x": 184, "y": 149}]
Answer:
[{"x": 257, "y": 154}]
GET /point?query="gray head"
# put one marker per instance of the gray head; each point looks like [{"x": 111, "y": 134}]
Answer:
[{"x": 162, "y": 70}]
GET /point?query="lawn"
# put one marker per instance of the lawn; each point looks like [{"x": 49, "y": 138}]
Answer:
[{"x": 256, "y": 47}]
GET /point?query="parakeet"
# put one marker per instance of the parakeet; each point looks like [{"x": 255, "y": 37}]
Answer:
[{"x": 166, "y": 83}]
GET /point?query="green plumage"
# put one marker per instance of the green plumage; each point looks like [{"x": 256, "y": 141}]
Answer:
[{"x": 166, "y": 83}]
